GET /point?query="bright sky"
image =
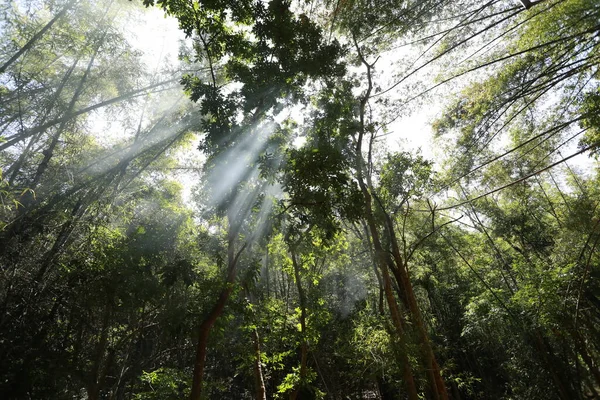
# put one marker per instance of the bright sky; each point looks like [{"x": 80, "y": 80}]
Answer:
[{"x": 159, "y": 38}]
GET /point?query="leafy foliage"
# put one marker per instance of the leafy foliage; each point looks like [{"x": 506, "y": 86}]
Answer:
[{"x": 317, "y": 261}]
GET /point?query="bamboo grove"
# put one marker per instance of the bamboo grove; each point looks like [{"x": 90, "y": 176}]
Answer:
[{"x": 240, "y": 224}]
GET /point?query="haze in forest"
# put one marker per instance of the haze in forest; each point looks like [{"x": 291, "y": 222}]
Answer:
[{"x": 249, "y": 199}]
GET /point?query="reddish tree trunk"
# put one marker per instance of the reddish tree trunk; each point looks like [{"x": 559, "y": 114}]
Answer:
[
  {"x": 437, "y": 385},
  {"x": 389, "y": 295},
  {"x": 212, "y": 317},
  {"x": 261, "y": 393},
  {"x": 438, "y": 388},
  {"x": 205, "y": 329}
]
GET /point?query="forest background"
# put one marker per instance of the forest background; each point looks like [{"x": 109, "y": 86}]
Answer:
[{"x": 235, "y": 222}]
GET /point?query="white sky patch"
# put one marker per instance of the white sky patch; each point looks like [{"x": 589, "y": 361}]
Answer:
[
  {"x": 157, "y": 35},
  {"x": 408, "y": 125},
  {"x": 413, "y": 133}
]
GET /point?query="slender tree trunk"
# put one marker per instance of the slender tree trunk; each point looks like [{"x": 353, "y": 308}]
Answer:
[
  {"x": 267, "y": 274},
  {"x": 437, "y": 385},
  {"x": 16, "y": 167},
  {"x": 41, "y": 128},
  {"x": 438, "y": 388},
  {"x": 304, "y": 345},
  {"x": 94, "y": 385},
  {"x": 259, "y": 381},
  {"x": 375, "y": 269},
  {"x": 215, "y": 313},
  {"x": 391, "y": 301},
  {"x": 398, "y": 322},
  {"x": 49, "y": 151},
  {"x": 261, "y": 392},
  {"x": 205, "y": 328},
  {"x": 37, "y": 36}
]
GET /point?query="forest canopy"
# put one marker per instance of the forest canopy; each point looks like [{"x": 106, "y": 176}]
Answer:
[{"x": 243, "y": 211}]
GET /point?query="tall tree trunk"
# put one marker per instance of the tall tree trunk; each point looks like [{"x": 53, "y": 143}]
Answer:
[
  {"x": 95, "y": 381},
  {"x": 369, "y": 245},
  {"x": 14, "y": 169},
  {"x": 438, "y": 388},
  {"x": 304, "y": 345},
  {"x": 395, "y": 313},
  {"x": 261, "y": 392},
  {"x": 67, "y": 117},
  {"x": 259, "y": 381},
  {"x": 214, "y": 314},
  {"x": 49, "y": 151},
  {"x": 37, "y": 36},
  {"x": 437, "y": 385}
]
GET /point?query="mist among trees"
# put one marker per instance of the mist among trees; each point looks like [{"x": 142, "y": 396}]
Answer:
[{"x": 243, "y": 211}]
